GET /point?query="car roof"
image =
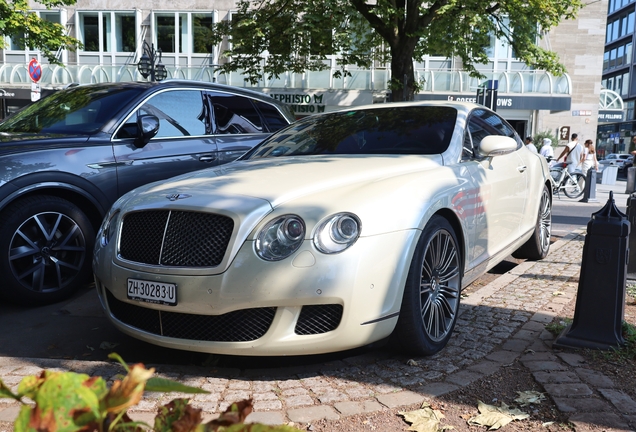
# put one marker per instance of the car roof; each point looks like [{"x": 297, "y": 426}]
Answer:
[{"x": 169, "y": 83}]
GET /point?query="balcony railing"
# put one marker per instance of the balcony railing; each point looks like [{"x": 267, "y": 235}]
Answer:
[{"x": 434, "y": 81}]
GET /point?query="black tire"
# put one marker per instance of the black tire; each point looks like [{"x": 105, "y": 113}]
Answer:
[
  {"x": 538, "y": 246},
  {"x": 574, "y": 187},
  {"x": 432, "y": 293},
  {"x": 45, "y": 247}
]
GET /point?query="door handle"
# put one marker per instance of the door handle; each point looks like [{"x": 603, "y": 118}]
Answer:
[
  {"x": 207, "y": 158},
  {"x": 522, "y": 168}
]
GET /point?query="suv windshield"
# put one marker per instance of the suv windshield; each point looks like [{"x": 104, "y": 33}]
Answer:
[
  {"x": 78, "y": 110},
  {"x": 422, "y": 130}
]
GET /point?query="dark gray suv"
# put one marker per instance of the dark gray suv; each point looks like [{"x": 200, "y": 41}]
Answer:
[{"x": 65, "y": 159}]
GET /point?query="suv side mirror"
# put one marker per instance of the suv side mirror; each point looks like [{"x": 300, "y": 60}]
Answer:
[{"x": 148, "y": 126}]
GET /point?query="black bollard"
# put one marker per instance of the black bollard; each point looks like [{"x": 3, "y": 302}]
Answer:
[
  {"x": 600, "y": 299},
  {"x": 589, "y": 194}
]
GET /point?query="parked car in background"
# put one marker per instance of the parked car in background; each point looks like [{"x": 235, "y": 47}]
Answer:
[
  {"x": 615, "y": 159},
  {"x": 65, "y": 159},
  {"x": 341, "y": 230}
]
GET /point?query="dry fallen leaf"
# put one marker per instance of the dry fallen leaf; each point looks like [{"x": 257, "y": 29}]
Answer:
[
  {"x": 412, "y": 362},
  {"x": 424, "y": 419},
  {"x": 496, "y": 417},
  {"x": 529, "y": 397},
  {"x": 108, "y": 345}
]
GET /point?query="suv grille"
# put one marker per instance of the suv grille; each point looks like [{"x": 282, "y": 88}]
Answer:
[
  {"x": 238, "y": 326},
  {"x": 175, "y": 238}
]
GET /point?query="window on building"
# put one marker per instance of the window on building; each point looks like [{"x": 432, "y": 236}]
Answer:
[
  {"x": 625, "y": 87},
  {"x": 628, "y": 53},
  {"x": 620, "y": 55},
  {"x": 612, "y": 59},
  {"x": 125, "y": 27},
  {"x": 608, "y": 33},
  {"x": 623, "y": 26},
  {"x": 165, "y": 28},
  {"x": 17, "y": 42},
  {"x": 90, "y": 32},
  {"x": 606, "y": 60},
  {"x": 615, "y": 30},
  {"x": 629, "y": 107},
  {"x": 630, "y": 22},
  {"x": 202, "y": 29}
]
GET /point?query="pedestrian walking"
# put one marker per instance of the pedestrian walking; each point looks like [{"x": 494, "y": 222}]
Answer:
[
  {"x": 572, "y": 154},
  {"x": 588, "y": 157},
  {"x": 546, "y": 149}
]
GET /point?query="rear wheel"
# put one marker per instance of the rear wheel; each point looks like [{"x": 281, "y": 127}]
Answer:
[
  {"x": 45, "y": 247},
  {"x": 575, "y": 186},
  {"x": 431, "y": 296},
  {"x": 538, "y": 246}
]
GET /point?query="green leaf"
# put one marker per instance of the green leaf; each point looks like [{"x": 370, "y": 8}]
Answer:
[
  {"x": 117, "y": 357},
  {"x": 5, "y": 392}
]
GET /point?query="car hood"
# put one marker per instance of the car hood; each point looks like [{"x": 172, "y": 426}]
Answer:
[
  {"x": 378, "y": 187},
  {"x": 26, "y": 142}
]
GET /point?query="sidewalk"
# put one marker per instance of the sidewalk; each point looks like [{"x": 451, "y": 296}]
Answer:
[{"x": 499, "y": 323}]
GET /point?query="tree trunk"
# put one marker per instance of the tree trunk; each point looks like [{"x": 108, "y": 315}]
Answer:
[{"x": 402, "y": 73}]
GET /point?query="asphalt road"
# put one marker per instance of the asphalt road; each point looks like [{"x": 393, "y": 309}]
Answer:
[{"x": 77, "y": 328}]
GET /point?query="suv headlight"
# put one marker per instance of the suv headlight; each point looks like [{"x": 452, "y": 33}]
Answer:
[
  {"x": 337, "y": 233},
  {"x": 280, "y": 238},
  {"x": 109, "y": 225}
]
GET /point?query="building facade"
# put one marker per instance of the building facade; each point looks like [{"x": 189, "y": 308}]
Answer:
[
  {"x": 113, "y": 35},
  {"x": 619, "y": 79}
]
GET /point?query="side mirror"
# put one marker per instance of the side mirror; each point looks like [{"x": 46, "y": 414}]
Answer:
[
  {"x": 496, "y": 145},
  {"x": 148, "y": 126}
]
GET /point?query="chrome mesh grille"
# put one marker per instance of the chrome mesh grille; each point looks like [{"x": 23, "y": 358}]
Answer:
[
  {"x": 318, "y": 319},
  {"x": 238, "y": 326},
  {"x": 190, "y": 239}
]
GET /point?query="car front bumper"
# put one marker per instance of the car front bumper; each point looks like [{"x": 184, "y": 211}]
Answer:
[{"x": 364, "y": 283}]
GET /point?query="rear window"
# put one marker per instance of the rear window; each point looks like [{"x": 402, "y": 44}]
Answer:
[{"x": 419, "y": 130}]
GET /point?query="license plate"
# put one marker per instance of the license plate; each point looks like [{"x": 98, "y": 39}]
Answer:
[{"x": 152, "y": 292}]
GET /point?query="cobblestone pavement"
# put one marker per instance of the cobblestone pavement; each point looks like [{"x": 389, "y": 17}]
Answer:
[{"x": 499, "y": 323}]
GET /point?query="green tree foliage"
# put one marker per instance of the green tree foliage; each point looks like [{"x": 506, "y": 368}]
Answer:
[
  {"x": 299, "y": 35},
  {"x": 19, "y": 22}
]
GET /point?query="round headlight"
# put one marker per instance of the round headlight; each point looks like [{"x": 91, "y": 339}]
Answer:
[
  {"x": 280, "y": 238},
  {"x": 337, "y": 233}
]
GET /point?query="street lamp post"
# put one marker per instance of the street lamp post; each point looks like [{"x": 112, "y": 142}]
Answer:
[{"x": 150, "y": 65}]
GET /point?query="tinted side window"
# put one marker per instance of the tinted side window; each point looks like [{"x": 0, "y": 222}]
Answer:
[
  {"x": 273, "y": 118},
  {"x": 478, "y": 130},
  {"x": 233, "y": 114},
  {"x": 180, "y": 113},
  {"x": 500, "y": 126}
]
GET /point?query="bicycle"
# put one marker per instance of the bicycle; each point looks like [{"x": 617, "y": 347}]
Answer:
[{"x": 572, "y": 184}]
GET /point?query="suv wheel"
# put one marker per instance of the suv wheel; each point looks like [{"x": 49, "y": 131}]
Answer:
[{"x": 45, "y": 247}]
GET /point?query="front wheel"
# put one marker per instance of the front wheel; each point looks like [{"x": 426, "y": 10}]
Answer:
[
  {"x": 45, "y": 248},
  {"x": 574, "y": 186},
  {"x": 431, "y": 296}
]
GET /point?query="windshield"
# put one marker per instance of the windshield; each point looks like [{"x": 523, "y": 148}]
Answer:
[
  {"x": 421, "y": 130},
  {"x": 78, "y": 110}
]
